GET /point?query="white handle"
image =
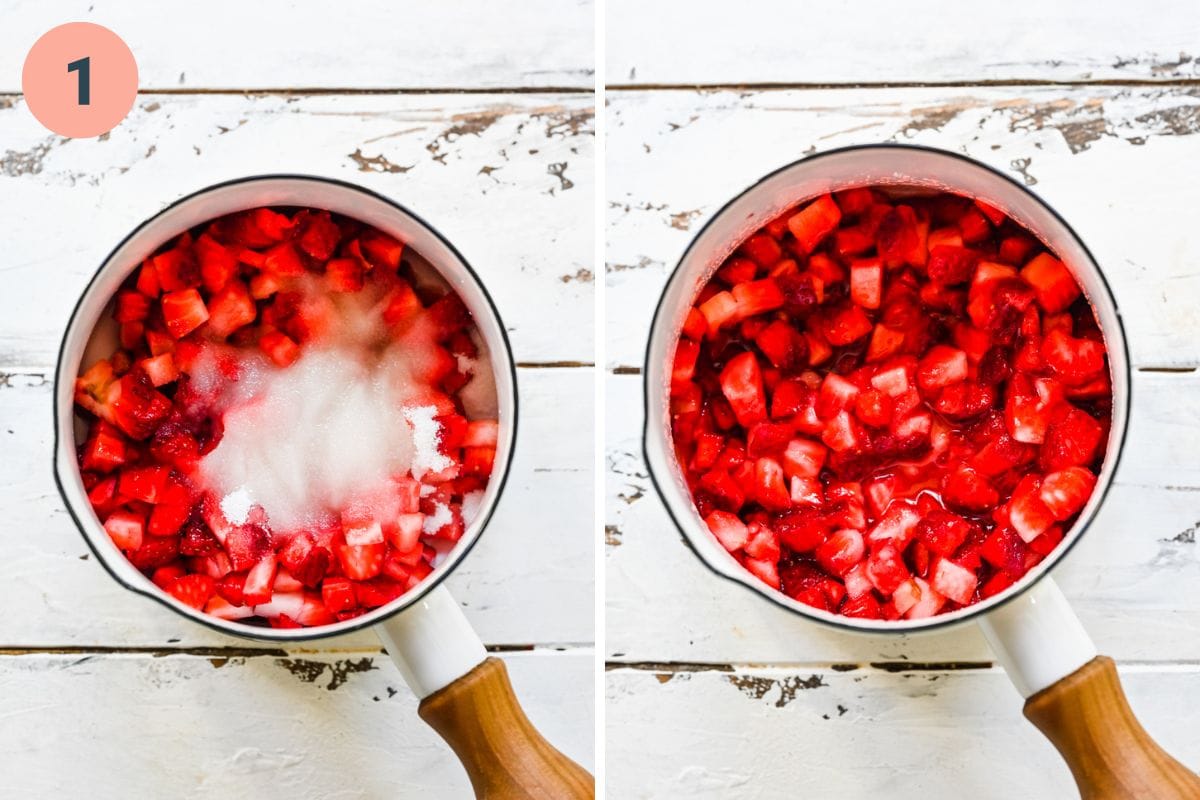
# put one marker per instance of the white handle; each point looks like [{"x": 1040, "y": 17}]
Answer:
[
  {"x": 432, "y": 643},
  {"x": 1037, "y": 638}
]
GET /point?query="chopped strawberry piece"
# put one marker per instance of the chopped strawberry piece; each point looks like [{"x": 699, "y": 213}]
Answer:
[
  {"x": 951, "y": 265},
  {"x": 966, "y": 489},
  {"x": 230, "y": 309},
  {"x": 841, "y": 551},
  {"x": 183, "y": 312},
  {"x": 886, "y": 569},
  {"x": 218, "y": 265},
  {"x": 901, "y": 238},
  {"x": 319, "y": 234},
  {"x": 280, "y": 348},
  {"x": 1053, "y": 283},
  {"x": 847, "y": 325},
  {"x": 742, "y": 386},
  {"x": 1065, "y": 492},
  {"x": 1074, "y": 361},
  {"x": 381, "y": 250},
  {"x": 730, "y": 531},
  {"x": 1072, "y": 440},
  {"x": 941, "y": 367},
  {"x": 814, "y": 222},
  {"x": 866, "y": 282},
  {"x": 953, "y": 581},
  {"x": 363, "y": 562},
  {"x": 344, "y": 275},
  {"x": 192, "y": 590},
  {"x": 126, "y": 529}
]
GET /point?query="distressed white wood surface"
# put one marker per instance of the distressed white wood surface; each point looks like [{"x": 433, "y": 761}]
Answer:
[
  {"x": 920, "y": 41},
  {"x": 359, "y": 44},
  {"x": 777, "y": 734},
  {"x": 297, "y": 726},
  {"x": 1109, "y": 159},
  {"x": 507, "y": 178}
]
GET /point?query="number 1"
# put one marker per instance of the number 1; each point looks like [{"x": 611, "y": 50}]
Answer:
[{"x": 84, "y": 67}]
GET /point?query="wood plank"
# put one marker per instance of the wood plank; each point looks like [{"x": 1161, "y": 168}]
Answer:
[
  {"x": 1107, "y": 158},
  {"x": 358, "y": 44},
  {"x": 924, "y": 41},
  {"x": 1134, "y": 579},
  {"x": 300, "y": 727},
  {"x": 783, "y": 733},
  {"x": 56, "y": 595},
  {"x": 458, "y": 160}
]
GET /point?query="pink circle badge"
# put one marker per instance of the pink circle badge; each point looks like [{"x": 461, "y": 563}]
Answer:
[{"x": 80, "y": 79}]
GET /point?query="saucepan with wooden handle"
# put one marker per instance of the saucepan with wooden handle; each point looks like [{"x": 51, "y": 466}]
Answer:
[
  {"x": 1071, "y": 693},
  {"x": 465, "y": 695}
]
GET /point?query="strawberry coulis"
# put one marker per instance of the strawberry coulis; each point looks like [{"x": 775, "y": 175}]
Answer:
[{"x": 890, "y": 406}]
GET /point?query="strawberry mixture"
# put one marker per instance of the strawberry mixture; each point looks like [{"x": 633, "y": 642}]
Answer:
[
  {"x": 297, "y": 423},
  {"x": 890, "y": 405}
]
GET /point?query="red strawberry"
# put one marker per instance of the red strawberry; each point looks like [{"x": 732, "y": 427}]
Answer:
[
  {"x": 230, "y": 309},
  {"x": 953, "y": 581},
  {"x": 280, "y": 348},
  {"x": 218, "y": 265},
  {"x": 841, "y": 551},
  {"x": 966, "y": 489},
  {"x": 344, "y": 275},
  {"x": 741, "y": 384},
  {"x": 155, "y": 552},
  {"x": 1065, "y": 492},
  {"x": 814, "y": 222},
  {"x": 381, "y": 250},
  {"x": 866, "y": 282},
  {"x": 361, "y": 562},
  {"x": 846, "y": 325},
  {"x": 1074, "y": 361},
  {"x": 192, "y": 590},
  {"x": 949, "y": 265},
  {"x": 1055, "y": 286},
  {"x": 319, "y": 235},
  {"x": 183, "y": 312},
  {"x": 941, "y": 367},
  {"x": 1072, "y": 439},
  {"x": 942, "y": 531},
  {"x": 886, "y": 569}
]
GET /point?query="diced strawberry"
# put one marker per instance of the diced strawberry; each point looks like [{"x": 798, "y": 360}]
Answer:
[
  {"x": 147, "y": 279},
  {"x": 1066, "y": 491},
  {"x": 1074, "y": 361},
  {"x": 953, "y": 581},
  {"x": 886, "y": 569},
  {"x": 951, "y": 265},
  {"x": 143, "y": 483},
  {"x": 846, "y": 325},
  {"x": 1005, "y": 550},
  {"x": 319, "y": 235},
  {"x": 230, "y": 309},
  {"x": 896, "y": 527},
  {"x": 344, "y": 275},
  {"x": 377, "y": 592},
  {"x": 1072, "y": 439},
  {"x": 217, "y": 264},
  {"x": 943, "y": 531},
  {"x": 338, "y": 595},
  {"x": 133, "y": 405},
  {"x": 866, "y": 282},
  {"x": 966, "y": 489},
  {"x": 771, "y": 490},
  {"x": 260, "y": 581},
  {"x": 843, "y": 433},
  {"x": 154, "y": 552},
  {"x": 941, "y": 367},
  {"x": 183, "y": 312},
  {"x": 765, "y": 571},
  {"x": 131, "y": 306},
  {"x": 381, "y": 250},
  {"x": 814, "y": 222},
  {"x": 841, "y": 551},
  {"x": 363, "y": 562},
  {"x": 192, "y": 590},
  {"x": 762, "y": 249},
  {"x": 974, "y": 226},
  {"x": 172, "y": 510},
  {"x": 719, "y": 310},
  {"x": 105, "y": 448},
  {"x": 126, "y": 529},
  {"x": 283, "y": 261},
  {"x": 279, "y": 347},
  {"x": 176, "y": 269},
  {"x": 737, "y": 270},
  {"x": 161, "y": 369},
  {"x": 730, "y": 531},
  {"x": 921, "y": 599},
  {"x": 1055, "y": 286},
  {"x": 885, "y": 342},
  {"x": 901, "y": 238},
  {"x": 741, "y": 383}
]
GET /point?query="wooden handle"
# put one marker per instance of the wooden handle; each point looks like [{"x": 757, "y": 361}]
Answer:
[
  {"x": 1110, "y": 754},
  {"x": 506, "y": 758}
]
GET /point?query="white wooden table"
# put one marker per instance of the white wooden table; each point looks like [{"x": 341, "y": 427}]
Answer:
[
  {"x": 713, "y": 692},
  {"x": 479, "y": 118}
]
